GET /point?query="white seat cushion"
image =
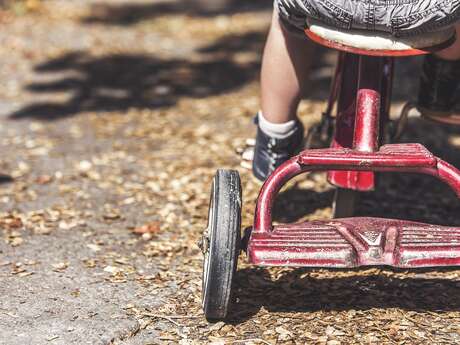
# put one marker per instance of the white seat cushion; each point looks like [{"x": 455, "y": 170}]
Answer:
[{"x": 375, "y": 41}]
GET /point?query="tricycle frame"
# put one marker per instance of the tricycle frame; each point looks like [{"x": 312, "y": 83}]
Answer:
[{"x": 361, "y": 94}]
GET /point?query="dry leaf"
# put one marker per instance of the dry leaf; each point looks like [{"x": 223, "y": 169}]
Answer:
[{"x": 151, "y": 228}]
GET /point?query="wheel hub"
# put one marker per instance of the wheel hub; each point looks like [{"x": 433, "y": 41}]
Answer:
[{"x": 203, "y": 242}]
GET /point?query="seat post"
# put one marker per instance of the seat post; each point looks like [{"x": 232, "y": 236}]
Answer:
[{"x": 368, "y": 101}]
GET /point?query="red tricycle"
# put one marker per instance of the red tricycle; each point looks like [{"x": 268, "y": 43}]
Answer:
[{"x": 358, "y": 125}]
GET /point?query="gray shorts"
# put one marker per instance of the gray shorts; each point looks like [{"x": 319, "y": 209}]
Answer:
[{"x": 397, "y": 17}]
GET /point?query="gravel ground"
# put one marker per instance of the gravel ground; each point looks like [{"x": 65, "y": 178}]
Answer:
[{"x": 114, "y": 116}]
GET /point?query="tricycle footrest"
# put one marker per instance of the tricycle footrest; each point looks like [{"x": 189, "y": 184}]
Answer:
[{"x": 355, "y": 242}]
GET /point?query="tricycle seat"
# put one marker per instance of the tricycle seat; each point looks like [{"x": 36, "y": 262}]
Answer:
[{"x": 378, "y": 43}]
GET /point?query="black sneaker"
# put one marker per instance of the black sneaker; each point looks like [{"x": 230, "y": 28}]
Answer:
[
  {"x": 270, "y": 153},
  {"x": 438, "y": 89}
]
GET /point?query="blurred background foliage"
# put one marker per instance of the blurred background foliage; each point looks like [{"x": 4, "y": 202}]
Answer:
[
  {"x": 19, "y": 7},
  {"x": 23, "y": 6}
]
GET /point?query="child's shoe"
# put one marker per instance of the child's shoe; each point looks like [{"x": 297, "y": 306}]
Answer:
[
  {"x": 438, "y": 89},
  {"x": 270, "y": 153}
]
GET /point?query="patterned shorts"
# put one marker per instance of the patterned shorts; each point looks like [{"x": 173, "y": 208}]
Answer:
[{"x": 397, "y": 17}]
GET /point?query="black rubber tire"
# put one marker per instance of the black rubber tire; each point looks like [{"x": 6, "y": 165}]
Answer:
[
  {"x": 344, "y": 204},
  {"x": 222, "y": 244}
]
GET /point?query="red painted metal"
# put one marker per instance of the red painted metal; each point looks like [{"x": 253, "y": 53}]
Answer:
[
  {"x": 362, "y": 89},
  {"x": 345, "y": 122},
  {"x": 355, "y": 242},
  {"x": 366, "y": 136},
  {"x": 358, "y": 114},
  {"x": 346, "y": 103},
  {"x": 269, "y": 191},
  {"x": 413, "y": 158},
  {"x": 335, "y": 85},
  {"x": 379, "y": 52}
]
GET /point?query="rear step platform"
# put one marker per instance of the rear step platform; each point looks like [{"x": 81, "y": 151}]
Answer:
[
  {"x": 355, "y": 242},
  {"x": 393, "y": 155}
]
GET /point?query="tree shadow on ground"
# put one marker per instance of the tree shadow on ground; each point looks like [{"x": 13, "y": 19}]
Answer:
[
  {"x": 121, "y": 82},
  {"x": 297, "y": 291},
  {"x": 4, "y": 178},
  {"x": 130, "y": 14},
  {"x": 295, "y": 203},
  {"x": 124, "y": 81}
]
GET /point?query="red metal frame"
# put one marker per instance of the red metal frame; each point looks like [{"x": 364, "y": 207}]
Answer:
[
  {"x": 409, "y": 158},
  {"x": 353, "y": 242},
  {"x": 372, "y": 76},
  {"x": 362, "y": 90}
]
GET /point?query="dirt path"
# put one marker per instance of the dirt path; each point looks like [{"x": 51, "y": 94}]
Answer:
[{"x": 114, "y": 117}]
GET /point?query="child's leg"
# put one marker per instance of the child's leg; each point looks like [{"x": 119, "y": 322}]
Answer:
[
  {"x": 453, "y": 52},
  {"x": 285, "y": 67}
]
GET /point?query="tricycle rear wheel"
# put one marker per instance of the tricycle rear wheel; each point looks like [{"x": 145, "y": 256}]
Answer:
[{"x": 221, "y": 244}]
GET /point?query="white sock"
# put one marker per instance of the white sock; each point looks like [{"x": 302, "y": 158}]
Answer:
[{"x": 276, "y": 130}]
